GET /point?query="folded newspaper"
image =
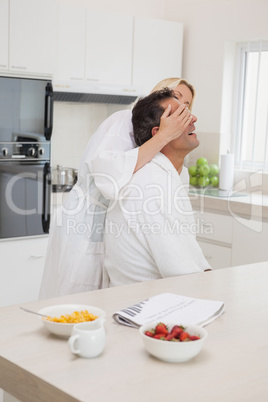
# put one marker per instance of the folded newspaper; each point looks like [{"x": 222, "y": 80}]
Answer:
[{"x": 172, "y": 307}]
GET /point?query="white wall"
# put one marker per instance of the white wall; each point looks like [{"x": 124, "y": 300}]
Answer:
[{"x": 208, "y": 25}]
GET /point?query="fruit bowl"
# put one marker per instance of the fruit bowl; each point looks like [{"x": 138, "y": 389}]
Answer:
[{"x": 171, "y": 351}]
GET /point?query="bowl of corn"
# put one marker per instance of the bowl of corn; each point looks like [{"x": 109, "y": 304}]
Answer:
[{"x": 60, "y": 319}]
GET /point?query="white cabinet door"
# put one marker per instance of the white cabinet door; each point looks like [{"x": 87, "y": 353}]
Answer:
[
  {"x": 32, "y": 36},
  {"x": 214, "y": 235},
  {"x": 109, "y": 48},
  {"x": 157, "y": 52},
  {"x": 217, "y": 256},
  {"x": 4, "y": 25},
  {"x": 21, "y": 270},
  {"x": 250, "y": 241},
  {"x": 214, "y": 227},
  {"x": 71, "y": 43}
]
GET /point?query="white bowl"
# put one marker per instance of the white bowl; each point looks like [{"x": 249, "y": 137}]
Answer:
[
  {"x": 62, "y": 329},
  {"x": 173, "y": 351}
]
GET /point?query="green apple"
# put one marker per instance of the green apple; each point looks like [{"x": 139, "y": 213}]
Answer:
[
  {"x": 201, "y": 161},
  {"x": 204, "y": 170},
  {"x": 214, "y": 169},
  {"x": 194, "y": 181},
  {"x": 203, "y": 181},
  {"x": 214, "y": 180},
  {"x": 193, "y": 170}
]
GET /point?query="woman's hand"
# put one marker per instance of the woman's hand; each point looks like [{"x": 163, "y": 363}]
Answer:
[{"x": 173, "y": 125}]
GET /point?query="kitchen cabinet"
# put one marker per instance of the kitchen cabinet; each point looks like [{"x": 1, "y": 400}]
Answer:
[
  {"x": 249, "y": 241},
  {"x": 21, "y": 269},
  {"x": 32, "y": 32},
  {"x": 109, "y": 48},
  {"x": 227, "y": 232},
  {"x": 218, "y": 256},
  {"x": 93, "y": 46},
  {"x": 214, "y": 235},
  {"x": 105, "y": 48},
  {"x": 71, "y": 43},
  {"x": 4, "y": 34},
  {"x": 157, "y": 51}
]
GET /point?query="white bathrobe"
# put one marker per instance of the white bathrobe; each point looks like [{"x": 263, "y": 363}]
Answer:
[
  {"x": 150, "y": 234},
  {"x": 74, "y": 259}
]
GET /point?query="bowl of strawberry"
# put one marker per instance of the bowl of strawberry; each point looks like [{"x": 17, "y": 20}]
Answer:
[{"x": 173, "y": 342}]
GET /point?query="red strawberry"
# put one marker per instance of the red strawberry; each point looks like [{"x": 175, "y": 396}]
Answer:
[
  {"x": 161, "y": 329},
  {"x": 176, "y": 331},
  {"x": 184, "y": 336},
  {"x": 194, "y": 337},
  {"x": 149, "y": 333},
  {"x": 169, "y": 337},
  {"x": 159, "y": 336}
]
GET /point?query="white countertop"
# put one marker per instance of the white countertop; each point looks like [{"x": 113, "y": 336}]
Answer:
[
  {"x": 246, "y": 205},
  {"x": 35, "y": 365}
]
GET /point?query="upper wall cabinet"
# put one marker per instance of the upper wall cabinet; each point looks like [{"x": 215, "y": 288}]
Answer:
[
  {"x": 71, "y": 43},
  {"x": 31, "y": 38},
  {"x": 75, "y": 43},
  {"x": 94, "y": 46},
  {"x": 4, "y": 34},
  {"x": 109, "y": 48},
  {"x": 157, "y": 52}
]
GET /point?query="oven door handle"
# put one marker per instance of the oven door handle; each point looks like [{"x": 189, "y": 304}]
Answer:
[
  {"x": 46, "y": 197},
  {"x": 48, "y": 111}
]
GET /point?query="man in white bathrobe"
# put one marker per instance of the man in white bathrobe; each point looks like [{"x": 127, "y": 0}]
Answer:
[{"x": 150, "y": 232}]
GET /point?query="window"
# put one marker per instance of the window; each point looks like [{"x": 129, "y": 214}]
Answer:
[{"x": 251, "y": 117}]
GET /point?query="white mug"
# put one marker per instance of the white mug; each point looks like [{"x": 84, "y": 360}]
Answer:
[{"x": 88, "y": 338}]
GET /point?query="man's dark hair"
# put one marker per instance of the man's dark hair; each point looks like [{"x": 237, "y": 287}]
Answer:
[{"x": 146, "y": 114}]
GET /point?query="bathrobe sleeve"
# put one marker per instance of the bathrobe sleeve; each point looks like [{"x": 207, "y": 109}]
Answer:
[{"x": 114, "y": 155}]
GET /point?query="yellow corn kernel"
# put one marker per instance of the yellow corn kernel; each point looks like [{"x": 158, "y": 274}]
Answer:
[{"x": 75, "y": 317}]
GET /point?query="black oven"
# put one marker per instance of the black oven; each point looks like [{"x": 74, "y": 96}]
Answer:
[{"x": 26, "y": 116}]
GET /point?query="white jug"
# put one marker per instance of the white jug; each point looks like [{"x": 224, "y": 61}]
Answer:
[{"x": 88, "y": 338}]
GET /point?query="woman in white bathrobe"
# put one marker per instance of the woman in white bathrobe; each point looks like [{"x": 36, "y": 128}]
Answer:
[{"x": 74, "y": 260}]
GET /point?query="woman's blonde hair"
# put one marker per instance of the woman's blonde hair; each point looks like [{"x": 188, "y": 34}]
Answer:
[{"x": 172, "y": 83}]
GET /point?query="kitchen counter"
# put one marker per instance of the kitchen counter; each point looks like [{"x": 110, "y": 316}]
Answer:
[
  {"x": 245, "y": 205},
  {"x": 35, "y": 365}
]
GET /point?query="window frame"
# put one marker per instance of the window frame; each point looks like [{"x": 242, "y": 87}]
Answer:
[{"x": 242, "y": 50}]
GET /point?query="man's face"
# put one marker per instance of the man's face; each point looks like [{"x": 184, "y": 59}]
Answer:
[{"x": 188, "y": 139}]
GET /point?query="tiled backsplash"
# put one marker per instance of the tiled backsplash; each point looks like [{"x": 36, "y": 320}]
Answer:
[{"x": 74, "y": 124}]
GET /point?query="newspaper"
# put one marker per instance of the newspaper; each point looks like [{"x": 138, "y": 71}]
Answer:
[{"x": 170, "y": 307}]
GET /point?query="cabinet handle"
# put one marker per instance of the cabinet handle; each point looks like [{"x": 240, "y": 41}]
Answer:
[
  {"x": 3, "y": 66},
  {"x": 19, "y": 67},
  {"x": 46, "y": 197},
  {"x": 48, "y": 111},
  {"x": 93, "y": 79},
  {"x": 35, "y": 257}
]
